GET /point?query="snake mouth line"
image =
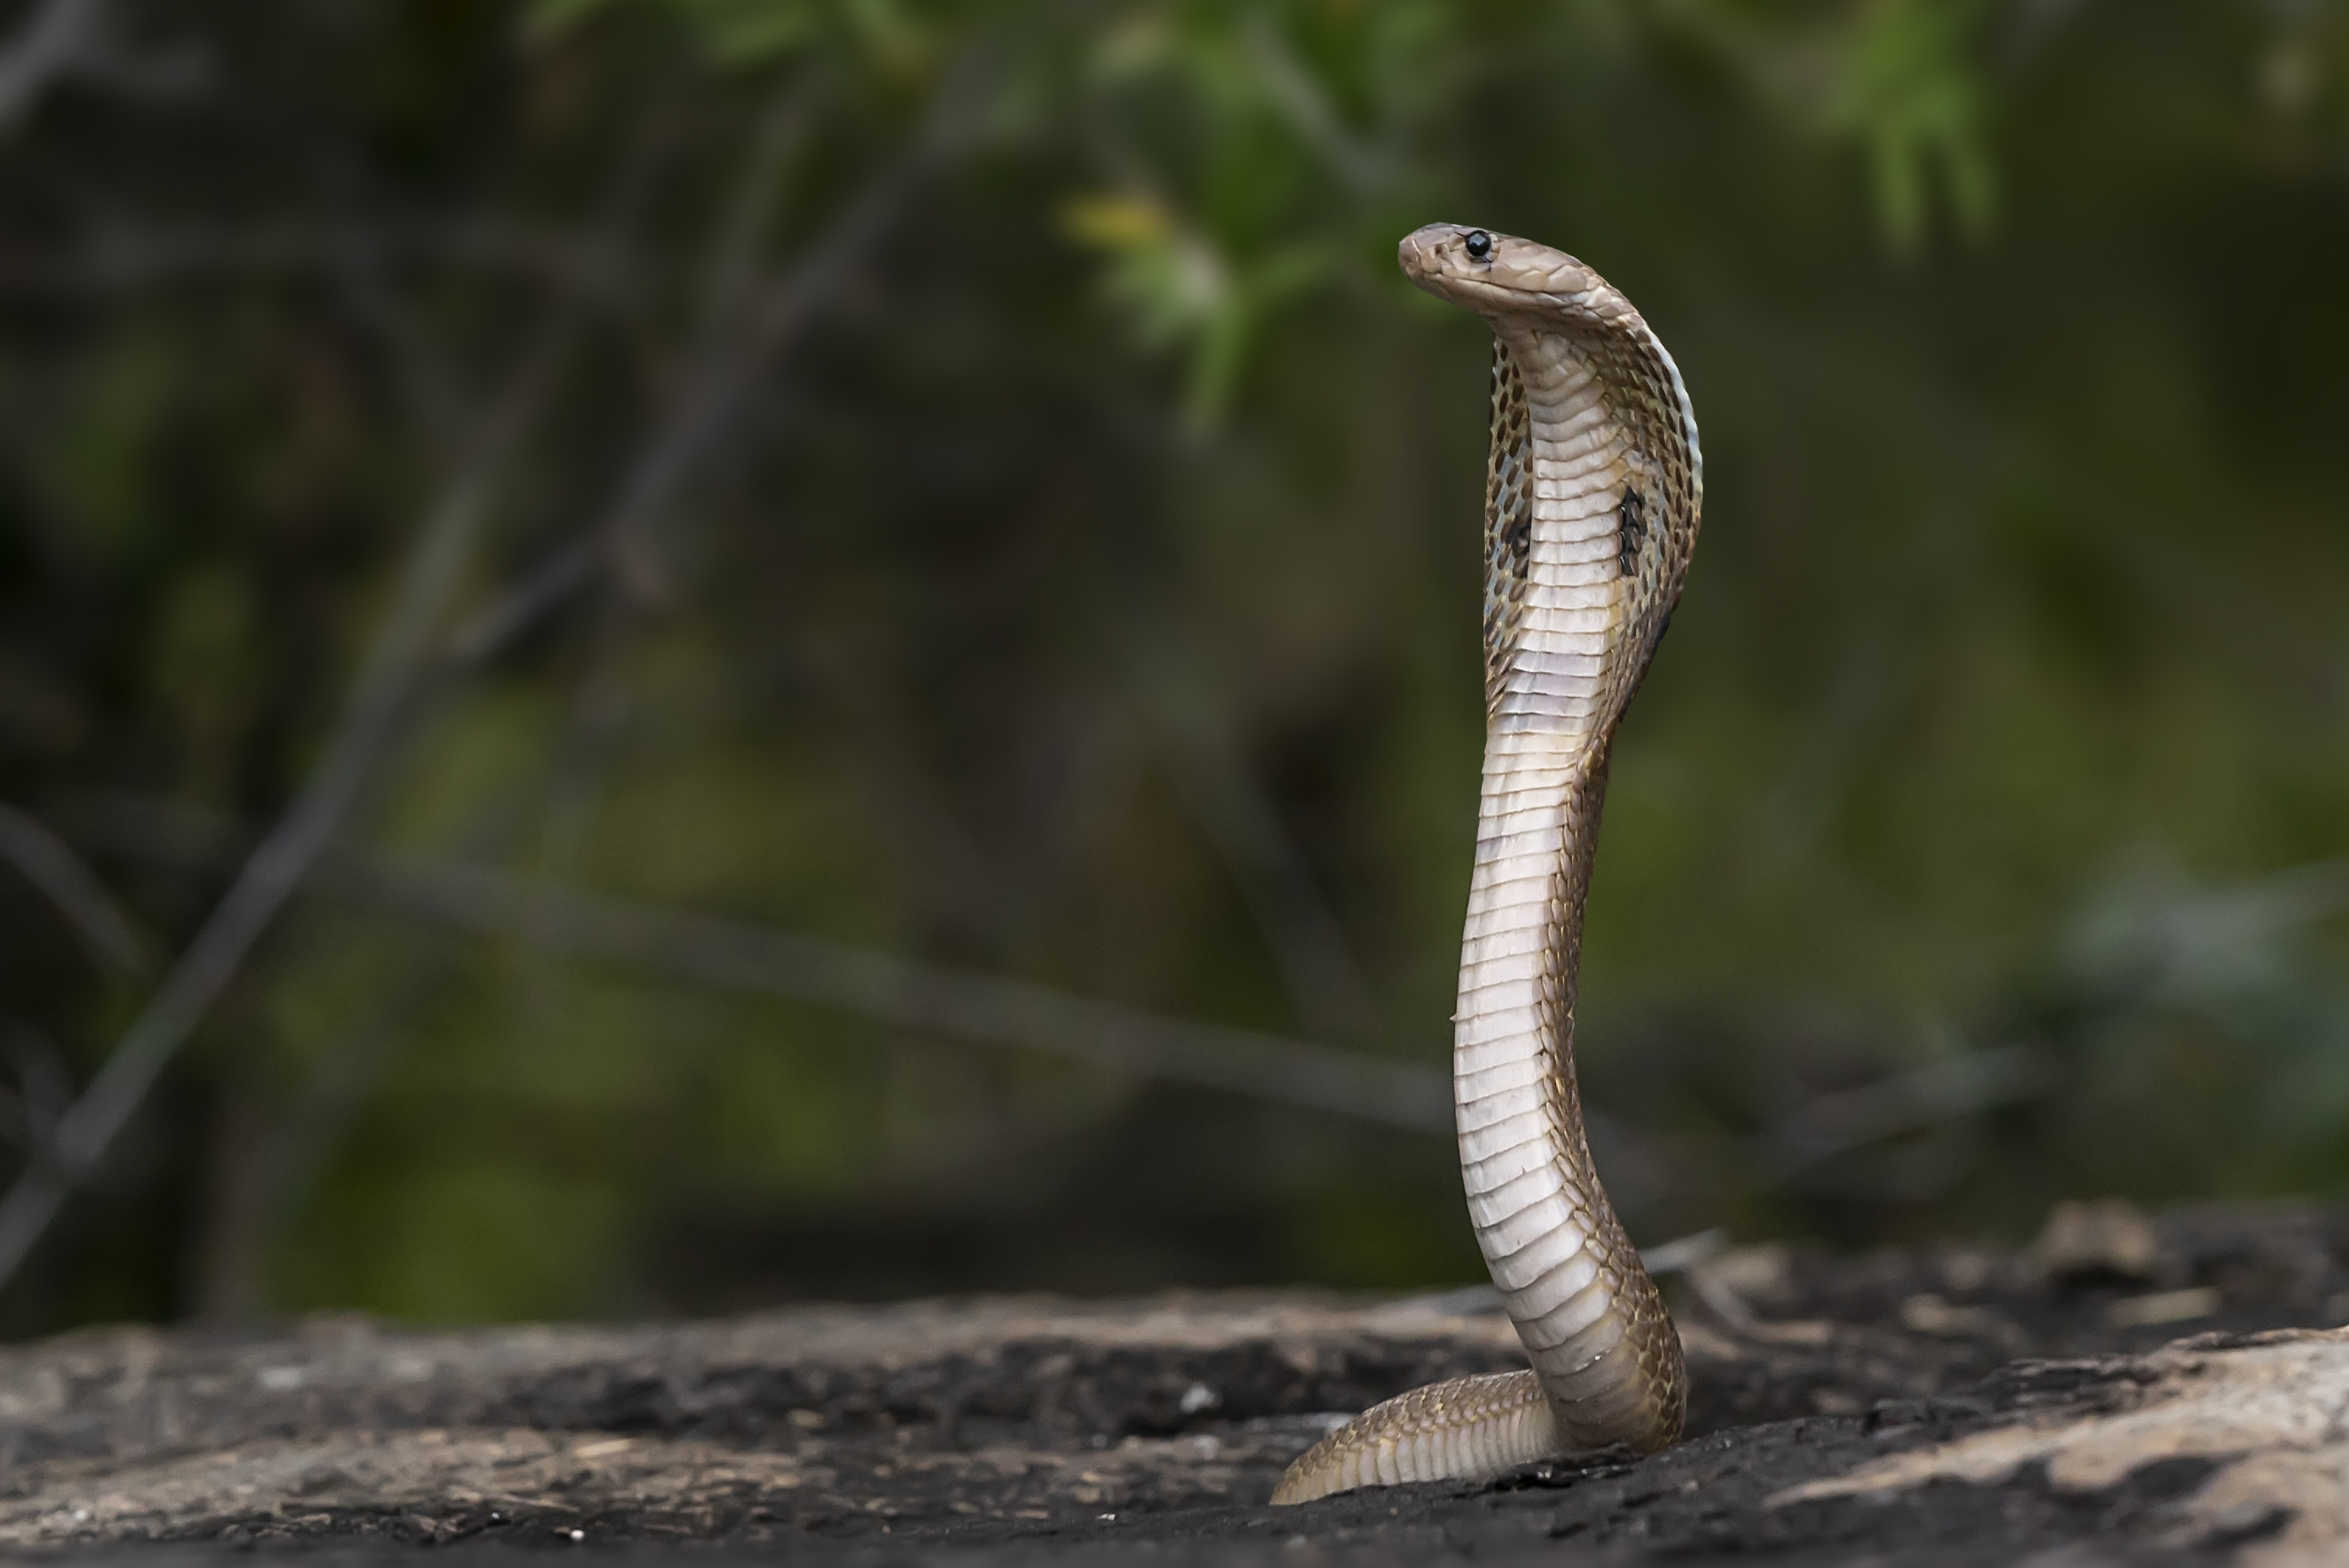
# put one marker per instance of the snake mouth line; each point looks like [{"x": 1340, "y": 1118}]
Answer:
[{"x": 1516, "y": 276}]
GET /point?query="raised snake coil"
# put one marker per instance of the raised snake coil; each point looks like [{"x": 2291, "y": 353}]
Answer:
[{"x": 1592, "y": 494}]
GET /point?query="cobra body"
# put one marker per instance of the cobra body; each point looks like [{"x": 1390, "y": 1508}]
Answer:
[{"x": 1592, "y": 494}]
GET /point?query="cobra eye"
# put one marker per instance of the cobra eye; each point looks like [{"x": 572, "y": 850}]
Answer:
[{"x": 1479, "y": 244}]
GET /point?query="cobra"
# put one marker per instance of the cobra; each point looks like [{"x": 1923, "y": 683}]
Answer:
[{"x": 1592, "y": 493}]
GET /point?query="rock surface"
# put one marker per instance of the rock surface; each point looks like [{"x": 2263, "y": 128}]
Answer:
[{"x": 1951, "y": 1404}]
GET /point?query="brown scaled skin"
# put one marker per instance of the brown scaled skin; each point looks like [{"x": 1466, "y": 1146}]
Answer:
[{"x": 1593, "y": 492}]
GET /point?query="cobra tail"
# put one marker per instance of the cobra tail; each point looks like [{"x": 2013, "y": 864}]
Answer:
[{"x": 1464, "y": 1430}]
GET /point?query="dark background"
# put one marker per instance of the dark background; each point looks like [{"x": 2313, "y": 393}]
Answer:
[{"x": 966, "y": 483}]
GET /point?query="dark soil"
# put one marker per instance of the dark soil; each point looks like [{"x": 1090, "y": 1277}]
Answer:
[{"x": 1013, "y": 1430}]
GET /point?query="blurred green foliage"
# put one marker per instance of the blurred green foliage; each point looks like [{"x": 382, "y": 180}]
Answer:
[{"x": 1082, "y": 585}]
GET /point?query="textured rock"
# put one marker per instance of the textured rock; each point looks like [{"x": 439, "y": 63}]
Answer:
[
  {"x": 1947, "y": 1404},
  {"x": 2270, "y": 1413}
]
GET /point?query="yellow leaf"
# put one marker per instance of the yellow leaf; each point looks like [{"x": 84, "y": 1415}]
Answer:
[{"x": 1117, "y": 222}]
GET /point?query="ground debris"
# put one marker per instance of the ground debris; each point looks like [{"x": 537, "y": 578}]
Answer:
[{"x": 1932, "y": 1405}]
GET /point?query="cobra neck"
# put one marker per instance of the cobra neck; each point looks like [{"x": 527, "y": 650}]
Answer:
[{"x": 1586, "y": 1311}]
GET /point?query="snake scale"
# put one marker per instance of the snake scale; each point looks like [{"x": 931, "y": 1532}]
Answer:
[{"x": 1592, "y": 493}]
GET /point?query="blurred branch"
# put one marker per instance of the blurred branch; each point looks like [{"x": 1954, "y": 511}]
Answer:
[
  {"x": 98, "y": 922},
  {"x": 738, "y": 956},
  {"x": 267, "y": 1176},
  {"x": 125, "y": 260},
  {"x": 403, "y": 660},
  {"x": 2200, "y": 936},
  {"x": 1910, "y": 1101},
  {"x": 1308, "y": 946},
  {"x": 434, "y": 402},
  {"x": 1685, "y": 1255},
  {"x": 400, "y": 657},
  {"x": 68, "y": 38},
  {"x": 963, "y": 876},
  {"x": 49, "y": 46},
  {"x": 719, "y": 388},
  {"x": 592, "y": 735},
  {"x": 731, "y": 269},
  {"x": 30, "y": 1113},
  {"x": 2137, "y": 947},
  {"x": 262, "y": 1192}
]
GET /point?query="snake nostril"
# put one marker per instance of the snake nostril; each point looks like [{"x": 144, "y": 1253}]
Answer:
[{"x": 1479, "y": 245}]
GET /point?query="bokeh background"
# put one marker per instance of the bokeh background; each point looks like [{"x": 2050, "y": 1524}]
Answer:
[{"x": 658, "y": 656}]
